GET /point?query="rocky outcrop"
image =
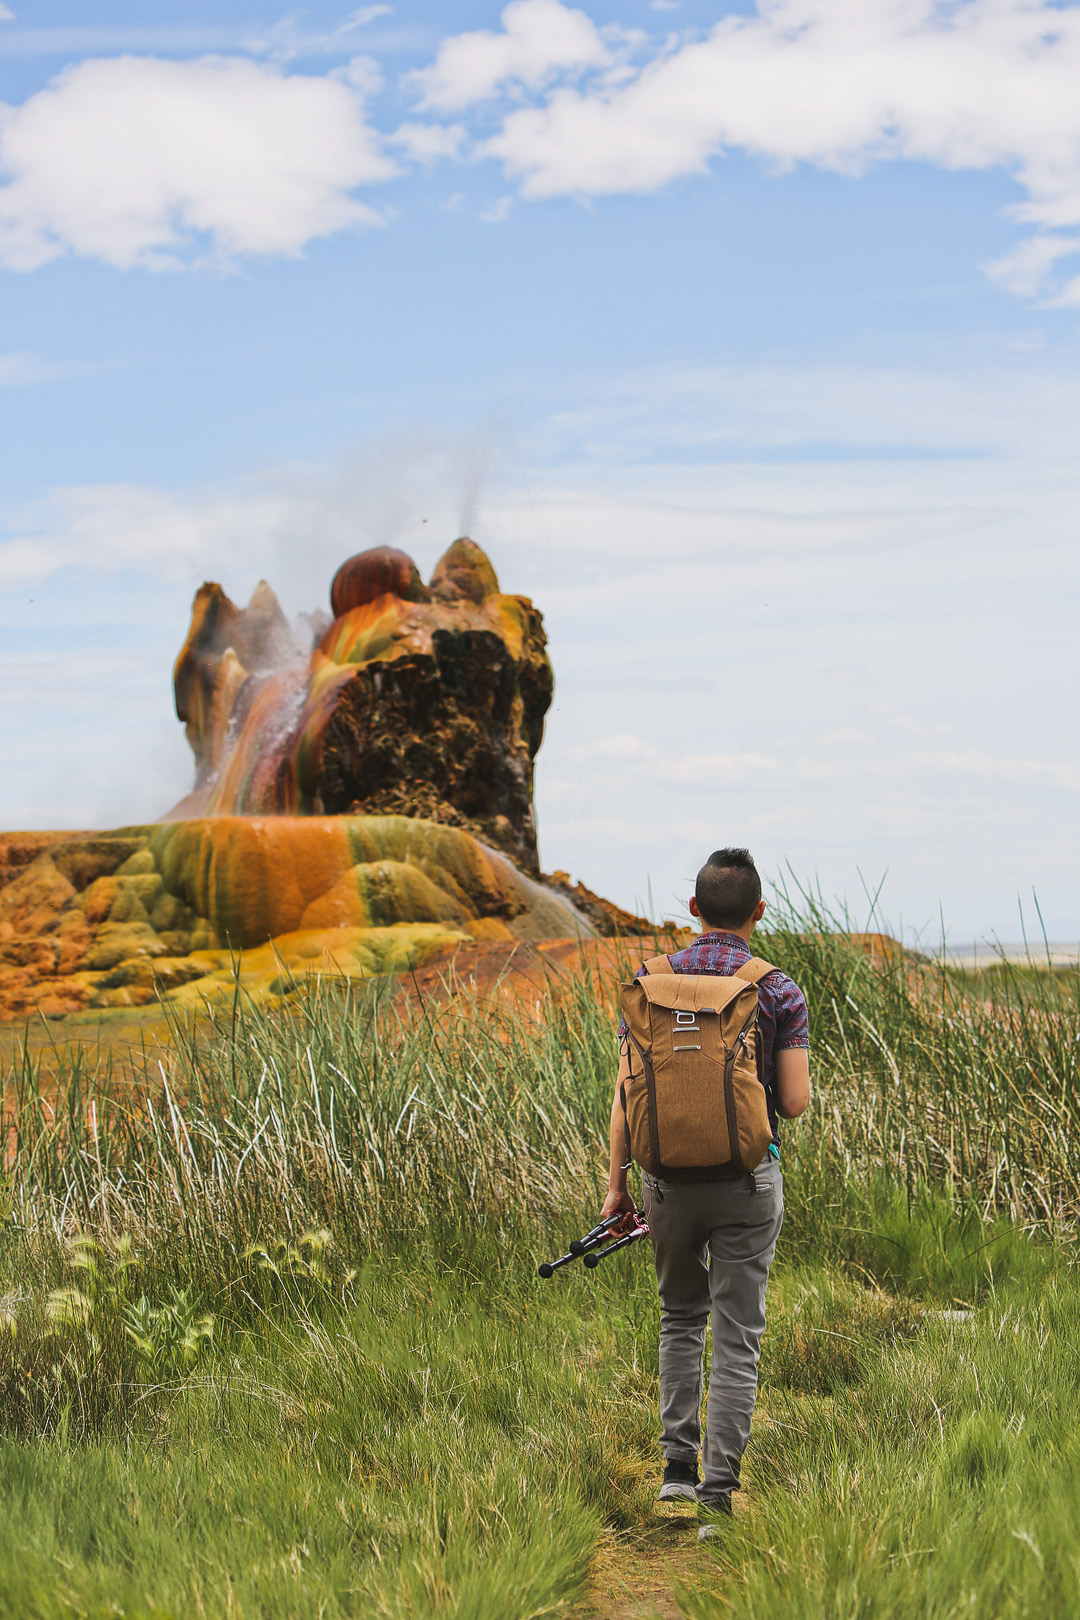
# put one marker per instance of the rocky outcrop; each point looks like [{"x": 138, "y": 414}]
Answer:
[
  {"x": 608, "y": 920},
  {"x": 110, "y": 920},
  {"x": 417, "y": 700},
  {"x": 18, "y": 849}
]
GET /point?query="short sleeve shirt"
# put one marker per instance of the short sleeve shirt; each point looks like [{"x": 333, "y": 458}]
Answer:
[{"x": 782, "y": 1014}]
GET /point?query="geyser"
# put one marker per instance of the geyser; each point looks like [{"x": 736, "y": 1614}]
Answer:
[
  {"x": 362, "y": 802},
  {"x": 417, "y": 700}
]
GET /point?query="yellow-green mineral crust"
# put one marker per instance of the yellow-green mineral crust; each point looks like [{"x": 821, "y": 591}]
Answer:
[{"x": 110, "y": 920}]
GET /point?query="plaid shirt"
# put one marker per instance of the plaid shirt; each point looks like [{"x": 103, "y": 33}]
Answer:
[{"x": 782, "y": 1017}]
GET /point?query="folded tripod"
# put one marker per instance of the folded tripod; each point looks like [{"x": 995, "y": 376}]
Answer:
[{"x": 597, "y": 1244}]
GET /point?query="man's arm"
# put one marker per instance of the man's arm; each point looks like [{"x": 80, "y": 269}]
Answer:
[
  {"x": 618, "y": 1199},
  {"x": 792, "y": 1081}
]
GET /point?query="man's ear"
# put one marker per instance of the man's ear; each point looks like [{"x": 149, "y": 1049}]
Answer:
[
  {"x": 759, "y": 911},
  {"x": 694, "y": 912}
]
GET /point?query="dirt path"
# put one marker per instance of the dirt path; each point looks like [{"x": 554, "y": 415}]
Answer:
[{"x": 634, "y": 1574}]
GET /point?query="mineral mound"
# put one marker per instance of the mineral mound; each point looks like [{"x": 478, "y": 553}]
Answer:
[
  {"x": 107, "y": 920},
  {"x": 418, "y": 700},
  {"x": 362, "y": 805}
]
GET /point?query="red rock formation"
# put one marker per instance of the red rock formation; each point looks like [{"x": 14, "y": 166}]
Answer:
[{"x": 18, "y": 849}]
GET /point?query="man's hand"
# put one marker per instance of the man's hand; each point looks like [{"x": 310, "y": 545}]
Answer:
[{"x": 619, "y": 1203}]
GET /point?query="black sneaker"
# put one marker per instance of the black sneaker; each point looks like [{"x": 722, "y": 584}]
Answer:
[{"x": 680, "y": 1479}]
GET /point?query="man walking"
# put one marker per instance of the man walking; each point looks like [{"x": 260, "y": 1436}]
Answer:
[{"x": 714, "y": 1237}]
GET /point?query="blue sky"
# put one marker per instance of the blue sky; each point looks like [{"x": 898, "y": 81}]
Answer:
[{"x": 745, "y": 338}]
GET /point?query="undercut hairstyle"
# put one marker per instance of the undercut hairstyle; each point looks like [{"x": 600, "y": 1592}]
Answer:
[{"x": 728, "y": 888}]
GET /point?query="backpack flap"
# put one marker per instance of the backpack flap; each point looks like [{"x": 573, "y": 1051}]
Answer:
[{"x": 689, "y": 992}]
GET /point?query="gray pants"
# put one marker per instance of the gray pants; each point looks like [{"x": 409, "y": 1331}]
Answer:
[{"x": 713, "y": 1243}]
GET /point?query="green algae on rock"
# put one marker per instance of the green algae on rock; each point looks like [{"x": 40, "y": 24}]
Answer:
[{"x": 110, "y": 920}]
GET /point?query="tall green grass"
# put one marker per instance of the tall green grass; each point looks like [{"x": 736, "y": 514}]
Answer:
[
  {"x": 271, "y": 1340},
  {"x": 376, "y": 1115},
  {"x": 935, "y": 1473},
  {"x": 930, "y": 1077},
  {"x": 440, "y": 1445}
]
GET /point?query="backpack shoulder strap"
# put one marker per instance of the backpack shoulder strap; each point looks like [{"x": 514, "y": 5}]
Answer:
[
  {"x": 658, "y": 964},
  {"x": 754, "y": 970}
]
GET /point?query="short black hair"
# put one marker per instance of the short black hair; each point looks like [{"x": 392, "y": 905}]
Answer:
[{"x": 728, "y": 888}]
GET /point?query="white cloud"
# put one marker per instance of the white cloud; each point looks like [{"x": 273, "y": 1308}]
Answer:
[
  {"x": 424, "y": 143},
  {"x": 103, "y": 529},
  {"x": 24, "y": 370},
  {"x": 540, "y": 38},
  {"x": 139, "y": 161},
  {"x": 287, "y": 39},
  {"x": 363, "y": 73},
  {"x": 292, "y": 523},
  {"x": 964, "y": 84},
  {"x": 1029, "y": 270},
  {"x": 843, "y": 737},
  {"x": 973, "y": 763},
  {"x": 156, "y": 163},
  {"x": 6, "y": 14},
  {"x": 498, "y": 212},
  {"x": 875, "y": 763}
]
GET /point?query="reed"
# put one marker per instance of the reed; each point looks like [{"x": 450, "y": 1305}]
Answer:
[
  {"x": 272, "y": 1340},
  {"x": 380, "y": 1115},
  {"x": 376, "y": 1117},
  {"x": 931, "y": 1078}
]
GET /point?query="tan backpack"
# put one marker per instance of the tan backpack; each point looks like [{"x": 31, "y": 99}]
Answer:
[{"x": 694, "y": 1101}]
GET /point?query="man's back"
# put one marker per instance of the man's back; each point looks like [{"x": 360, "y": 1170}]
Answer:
[{"x": 783, "y": 1021}]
